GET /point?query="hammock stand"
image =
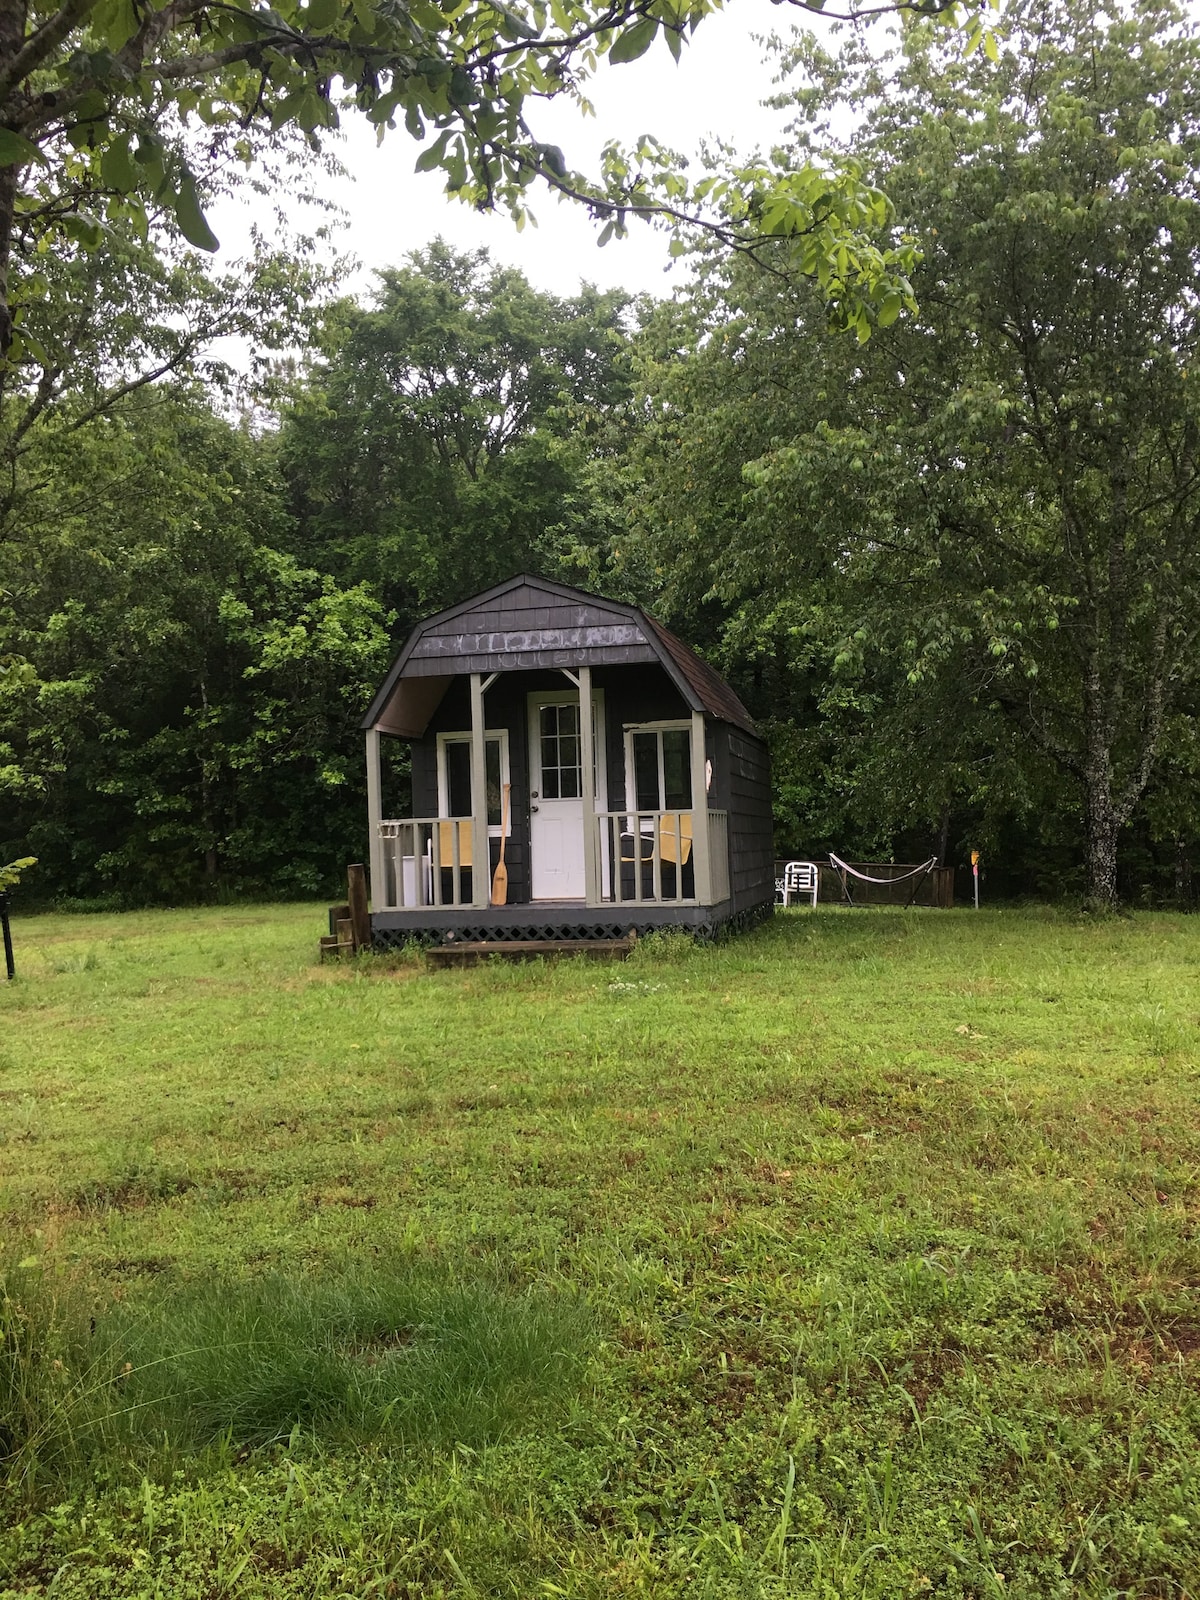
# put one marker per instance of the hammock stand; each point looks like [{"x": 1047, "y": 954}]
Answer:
[{"x": 845, "y": 872}]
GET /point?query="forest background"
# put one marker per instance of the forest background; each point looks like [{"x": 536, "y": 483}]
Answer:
[{"x": 948, "y": 557}]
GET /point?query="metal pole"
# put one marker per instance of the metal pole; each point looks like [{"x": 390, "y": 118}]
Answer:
[
  {"x": 975, "y": 875},
  {"x": 8, "y": 949}
]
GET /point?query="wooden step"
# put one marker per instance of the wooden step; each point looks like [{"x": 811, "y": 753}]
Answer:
[{"x": 470, "y": 952}]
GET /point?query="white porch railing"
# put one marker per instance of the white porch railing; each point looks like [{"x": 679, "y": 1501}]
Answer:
[
  {"x": 648, "y": 857},
  {"x": 427, "y": 861},
  {"x": 718, "y": 856}
]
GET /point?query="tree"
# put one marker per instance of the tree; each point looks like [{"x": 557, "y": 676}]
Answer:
[
  {"x": 107, "y": 105},
  {"x": 995, "y": 508},
  {"x": 97, "y": 327},
  {"x": 437, "y": 446},
  {"x": 179, "y": 709}
]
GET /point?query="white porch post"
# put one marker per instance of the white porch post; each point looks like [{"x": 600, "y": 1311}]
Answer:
[
  {"x": 587, "y": 749},
  {"x": 378, "y": 883},
  {"x": 701, "y": 866},
  {"x": 481, "y": 874}
]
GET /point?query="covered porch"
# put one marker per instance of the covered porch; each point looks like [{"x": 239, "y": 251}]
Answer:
[{"x": 639, "y": 858}]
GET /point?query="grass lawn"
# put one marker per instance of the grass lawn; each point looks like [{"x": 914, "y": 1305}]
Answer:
[{"x": 856, "y": 1257}]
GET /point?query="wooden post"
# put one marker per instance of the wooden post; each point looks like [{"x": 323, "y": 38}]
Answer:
[
  {"x": 587, "y": 759},
  {"x": 9, "y": 964},
  {"x": 481, "y": 860},
  {"x": 379, "y": 895},
  {"x": 356, "y": 894},
  {"x": 701, "y": 864}
]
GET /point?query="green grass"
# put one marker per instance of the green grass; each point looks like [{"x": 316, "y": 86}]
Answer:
[
  {"x": 393, "y": 1352},
  {"x": 857, "y": 1257}
]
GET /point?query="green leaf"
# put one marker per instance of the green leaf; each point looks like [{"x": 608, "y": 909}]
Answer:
[
  {"x": 287, "y": 109},
  {"x": 428, "y": 159},
  {"x": 516, "y": 26},
  {"x": 84, "y": 229},
  {"x": 115, "y": 23},
  {"x": 16, "y": 149},
  {"x": 191, "y": 219},
  {"x": 463, "y": 91},
  {"x": 117, "y": 168},
  {"x": 321, "y": 15},
  {"x": 553, "y": 159},
  {"x": 634, "y": 42}
]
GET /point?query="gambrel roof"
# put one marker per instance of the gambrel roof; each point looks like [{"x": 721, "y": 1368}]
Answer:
[{"x": 529, "y": 623}]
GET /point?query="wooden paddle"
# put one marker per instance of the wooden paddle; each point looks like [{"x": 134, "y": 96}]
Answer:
[{"x": 500, "y": 881}]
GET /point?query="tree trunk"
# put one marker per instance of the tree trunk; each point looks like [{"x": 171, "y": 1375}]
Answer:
[
  {"x": 1103, "y": 825},
  {"x": 12, "y": 36},
  {"x": 1183, "y": 875},
  {"x": 8, "y": 199}
]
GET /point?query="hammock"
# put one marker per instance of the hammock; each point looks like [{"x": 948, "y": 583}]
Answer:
[{"x": 846, "y": 871}]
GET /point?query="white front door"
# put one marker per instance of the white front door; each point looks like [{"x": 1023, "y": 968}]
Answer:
[{"x": 556, "y": 794}]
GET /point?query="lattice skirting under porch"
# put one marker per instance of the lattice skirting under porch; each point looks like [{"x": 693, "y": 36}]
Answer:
[{"x": 384, "y": 939}]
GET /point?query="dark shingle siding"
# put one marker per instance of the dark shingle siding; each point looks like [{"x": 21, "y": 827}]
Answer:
[{"x": 751, "y": 866}]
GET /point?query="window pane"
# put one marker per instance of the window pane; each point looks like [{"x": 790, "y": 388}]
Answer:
[
  {"x": 549, "y": 755},
  {"x": 559, "y": 730},
  {"x": 494, "y": 810},
  {"x": 458, "y": 777},
  {"x": 677, "y": 769},
  {"x": 645, "y": 771}
]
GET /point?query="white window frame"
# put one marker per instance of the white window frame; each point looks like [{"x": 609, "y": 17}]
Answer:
[
  {"x": 491, "y": 736},
  {"x": 672, "y": 725}
]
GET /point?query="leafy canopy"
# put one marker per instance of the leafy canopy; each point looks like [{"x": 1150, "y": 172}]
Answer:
[{"x": 106, "y": 105}]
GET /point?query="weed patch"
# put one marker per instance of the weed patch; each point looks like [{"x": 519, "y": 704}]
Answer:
[{"x": 398, "y": 1353}]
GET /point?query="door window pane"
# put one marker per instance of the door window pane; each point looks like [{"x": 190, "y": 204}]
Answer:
[{"x": 562, "y": 778}]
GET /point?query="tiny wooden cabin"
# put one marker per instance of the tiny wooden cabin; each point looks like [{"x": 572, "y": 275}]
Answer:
[{"x": 638, "y": 790}]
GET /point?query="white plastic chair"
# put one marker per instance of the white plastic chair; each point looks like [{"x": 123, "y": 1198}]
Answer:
[{"x": 801, "y": 878}]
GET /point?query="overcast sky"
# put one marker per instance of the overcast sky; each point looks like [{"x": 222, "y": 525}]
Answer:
[{"x": 716, "y": 90}]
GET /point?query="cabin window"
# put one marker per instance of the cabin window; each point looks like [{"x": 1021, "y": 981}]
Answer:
[
  {"x": 658, "y": 761},
  {"x": 454, "y": 776}
]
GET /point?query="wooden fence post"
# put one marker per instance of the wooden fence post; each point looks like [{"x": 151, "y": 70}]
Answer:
[{"x": 356, "y": 894}]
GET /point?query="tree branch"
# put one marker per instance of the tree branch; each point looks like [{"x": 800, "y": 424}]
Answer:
[{"x": 41, "y": 44}]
